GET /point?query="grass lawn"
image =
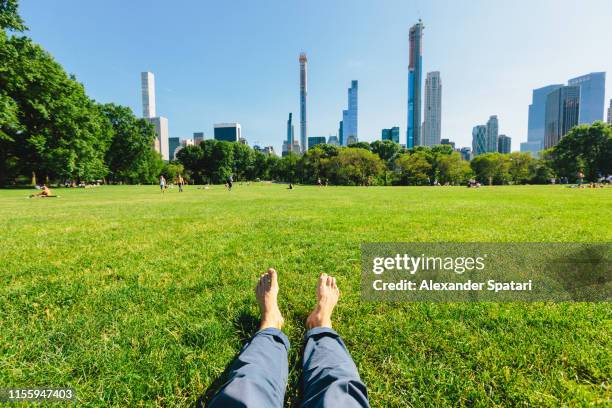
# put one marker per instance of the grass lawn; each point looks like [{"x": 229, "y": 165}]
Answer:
[{"x": 138, "y": 299}]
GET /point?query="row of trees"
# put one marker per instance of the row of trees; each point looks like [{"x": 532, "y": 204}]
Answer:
[{"x": 51, "y": 130}]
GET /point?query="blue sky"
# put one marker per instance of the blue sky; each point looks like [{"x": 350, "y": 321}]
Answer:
[{"x": 226, "y": 61}]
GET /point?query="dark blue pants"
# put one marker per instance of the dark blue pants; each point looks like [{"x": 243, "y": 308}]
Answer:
[{"x": 258, "y": 377}]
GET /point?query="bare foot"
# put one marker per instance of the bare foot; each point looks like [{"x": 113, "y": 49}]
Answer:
[
  {"x": 327, "y": 297},
  {"x": 266, "y": 292}
]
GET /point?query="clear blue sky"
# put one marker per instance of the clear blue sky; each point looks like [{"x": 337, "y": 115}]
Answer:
[{"x": 226, "y": 61}]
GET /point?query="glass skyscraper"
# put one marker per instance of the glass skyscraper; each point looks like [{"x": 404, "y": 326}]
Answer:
[
  {"x": 492, "y": 134},
  {"x": 350, "y": 117},
  {"x": 479, "y": 140},
  {"x": 504, "y": 144},
  {"x": 562, "y": 111},
  {"x": 173, "y": 143},
  {"x": 415, "y": 74},
  {"x": 592, "y": 96},
  {"x": 391, "y": 134},
  {"x": 303, "y": 95},
  {"x": 537, "y": 113}
]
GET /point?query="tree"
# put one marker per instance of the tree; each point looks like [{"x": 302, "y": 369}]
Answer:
[
  {"x": 385, "y": 149},
  {"x": 171, "y": 171},
  {"x": 453, "y": 169},
  {"x": 360, "y": 145},
  {"x": 130, "y": 144},
  {"x": 9, "y": 18},
  {"x": 243, "y": 158},
  {"x": 586, "y": 148},
  {"x": 355, "y": 166},
  {"x": 414, "y": 169},
  {"x": 519, "y": 167},
  {"x": 191, "y": 157},
  {"x": 491, "y": 168}
]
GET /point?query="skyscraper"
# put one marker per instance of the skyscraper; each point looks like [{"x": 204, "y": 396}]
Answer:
[
  {"x": 160, "y": 144},
  {"x": 147, "y": 80},
  {"x": 173, "y": 144},
  {"x": 610, "y": 113},
  {"x": 228, "y": 132},
  {"x": 562, "y": 111},
  {"x": 303, "y": 95},
  {"x": 537, "y": 113},
  {"x": 504, "y": 144},
  {"x": 432, "y": 123},
  {"x": 391, "y": 134},
  {"x": 290, "y": 130},
  {"x": 592, "y": 96},
  {"x": 350, "y": 117},
  {"x": 479, "y": 140},
  {"x": 341, "y": 131},
  {"x": 198, "y": 137},
  {"x": 492, "y": 134},
  {"x": 466, "y": 153},
  {"x": 415, "y": 74},
  {"x": 315, "y": 140}
]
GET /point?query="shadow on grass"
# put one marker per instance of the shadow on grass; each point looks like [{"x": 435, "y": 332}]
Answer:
[{"x": 245, "y": 325}]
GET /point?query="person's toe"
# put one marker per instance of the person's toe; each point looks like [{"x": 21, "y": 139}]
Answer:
[{"x": 330, "y": 280}]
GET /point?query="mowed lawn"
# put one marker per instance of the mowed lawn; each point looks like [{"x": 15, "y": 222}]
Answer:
[{"x": 134, "y": 298}]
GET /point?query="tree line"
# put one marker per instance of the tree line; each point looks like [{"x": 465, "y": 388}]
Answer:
[{"x": 50, "y": 130}]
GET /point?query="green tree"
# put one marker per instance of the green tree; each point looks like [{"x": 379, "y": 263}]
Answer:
[
  {"x": 243, "y": 159},
  {"x": 453, "y": 169},
  {"x": 360, "y": 145},
  {"x": 171, "y": 171},
  {"x": 414, "y": 168},
  {"x": 491, "y": 168},
  {"x": 130, "y": 144},
  {"x": 586, "y": 148},
  {"x": 192, "y": 159},
  {"x": 355, "y": 166},
  {"x": 9, "y": 17},
  {"x": 519, "y": 167}
]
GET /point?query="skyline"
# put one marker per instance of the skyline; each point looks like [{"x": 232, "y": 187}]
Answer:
[{"x": 198, "y": 85}]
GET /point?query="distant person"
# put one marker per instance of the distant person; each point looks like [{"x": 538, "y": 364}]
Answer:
[
  {"x": 258, "y": 376},
  {"x": 162, "y": 183},
  {"x": 290, "y": 186},
  {"x": 44, "y": 193},
  {"x": 179, "y": 182},
  {"x": 230, "y": 182},
  {"x": 580, "y": 177},
  {"x": 319, "y": 183}
]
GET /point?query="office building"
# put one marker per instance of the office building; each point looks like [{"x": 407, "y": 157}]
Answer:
[
  {"x": 415, "y": 74},
  {"x": 350, "y": 140},
  {"x": 432, "y": 122},
  {"x": 592, "y": 96},
  {"x": 161, "y": 136},
  {"x": 610, "y": 113},
  {"x": 228, "y": 132},
  {"x": 267, "y": 150},
  {"x": 392, "y": 134},
  {"x": 532, "y": 148},
  {"x": 447, "y": 142},
  {"x": 174, "y": 145},
  {"x": 343, "y": 136},
  {"x": 492, "y": 133},
  {"x": 303, "y": 95},
  {"x": 198, "y": 137},
  {"x": 504, "y": 144},
  {"x": 333, "y": 140},
  {"x": 350, "y": 117},
  {"x": 562, "y": 112},
  {"x": 537, "y": 113},
  {"x": 466, "y": 153},
  {"x": 315, "y": 140},
  {"x": 340, "y": 131},
  {"x": 160, "y": 144},
  {"x": 147, "y": 82},
  {"x": 479, "y": 140},
  {"x": 187, "y": 142},
  {"x": 290, "y": 130}
]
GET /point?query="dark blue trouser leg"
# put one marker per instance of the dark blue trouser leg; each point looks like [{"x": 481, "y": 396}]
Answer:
[
  {"x": 330, "y": 376},
  {"x": 258, "y": 377}
]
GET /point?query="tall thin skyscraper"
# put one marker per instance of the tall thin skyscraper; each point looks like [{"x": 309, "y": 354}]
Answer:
[
  {"x": 303, "y": 95},
  {"x": 415, "y": 74},
  {"x": 290, "y": 129},
  {"x": 492, "y": 133},
  {"x": 592, "y": 96},
  {"x": 610, "y": 113},
  {"x": 350, "y": 117},
  {"x": 147, "y": 80},
  {"x": 432, "y": 123},
  {"x": 562, "y": 112}
]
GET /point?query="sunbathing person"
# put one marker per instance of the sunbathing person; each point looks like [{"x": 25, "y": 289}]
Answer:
[
  {"x": 258, "y": 376},
  {"x": 45, "y": 193}
]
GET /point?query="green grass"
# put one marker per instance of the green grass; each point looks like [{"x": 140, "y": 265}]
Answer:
[{"x": 139, "y": 299}]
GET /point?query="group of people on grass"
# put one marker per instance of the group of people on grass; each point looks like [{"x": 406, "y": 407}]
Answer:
[{"x": 179, "y": 181}]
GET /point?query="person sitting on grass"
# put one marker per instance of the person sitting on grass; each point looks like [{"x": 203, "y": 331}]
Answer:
[
  {"x": 258, "y": 376},
  {"x": 45, "y": 193}
]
